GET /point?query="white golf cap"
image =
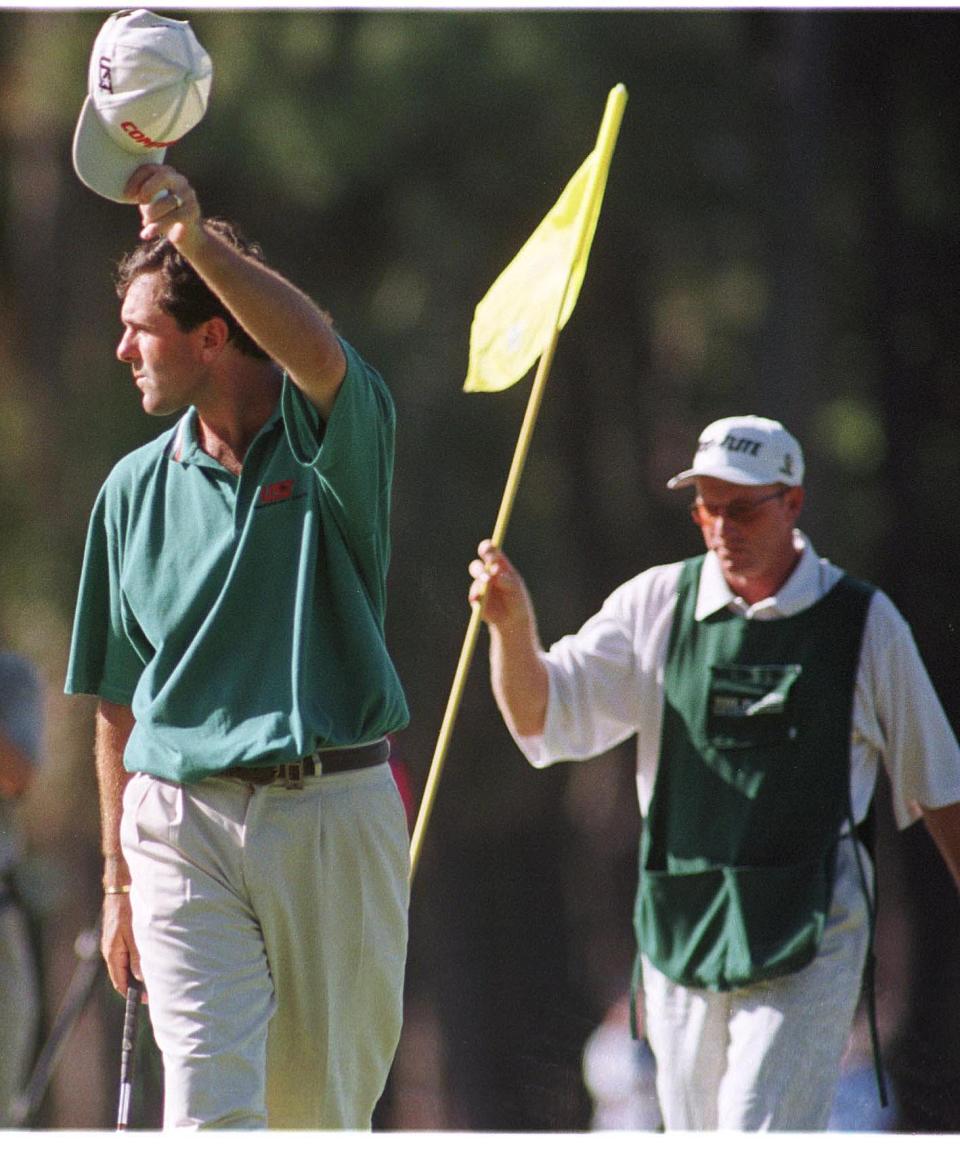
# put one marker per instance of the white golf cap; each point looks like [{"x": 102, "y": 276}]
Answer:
[
  {"x": 748, "y": 450},
  {"x": 148, "y": 85}
]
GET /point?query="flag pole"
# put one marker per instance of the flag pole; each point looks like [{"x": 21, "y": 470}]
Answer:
[
  {"x": 473, "y": 628},
  {"x": 606, "y": 141}
]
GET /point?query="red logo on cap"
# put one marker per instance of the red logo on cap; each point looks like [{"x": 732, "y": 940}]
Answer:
[{"x": 141, "y": 137}]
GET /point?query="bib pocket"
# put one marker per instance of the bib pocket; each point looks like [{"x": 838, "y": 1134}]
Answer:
[
  {"x": 725, "y": 927},
  {"x": 749, "y": 706}
]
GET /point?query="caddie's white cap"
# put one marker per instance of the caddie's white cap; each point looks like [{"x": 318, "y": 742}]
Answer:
[
  {"x": 748, "y": 450},
  {"x": 148, "y": 84}
]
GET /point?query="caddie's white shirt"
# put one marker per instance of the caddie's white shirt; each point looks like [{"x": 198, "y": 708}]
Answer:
[{"x": 606, "y": 683}]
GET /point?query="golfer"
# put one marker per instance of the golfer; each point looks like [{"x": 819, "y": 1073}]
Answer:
[
  {"x": 764, "y": 686},
  {"x": 230, "y": 622}
]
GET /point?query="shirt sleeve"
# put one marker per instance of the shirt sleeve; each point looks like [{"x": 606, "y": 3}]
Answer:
[
  {"x": 21, "y": 705},
  {"x": 604, "y": 679},
  {"x": 352, "y": 455},
  {"x": 104, "y": 660},
  {"x": 901, "y": 716}
]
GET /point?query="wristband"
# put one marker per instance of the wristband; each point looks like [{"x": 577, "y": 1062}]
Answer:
[{"x": 108, "y": 889}]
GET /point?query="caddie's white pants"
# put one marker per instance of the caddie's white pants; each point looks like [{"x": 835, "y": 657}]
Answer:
[
  {"x": 766, "y": 1057},
  {"x": 272, "y": 928}
]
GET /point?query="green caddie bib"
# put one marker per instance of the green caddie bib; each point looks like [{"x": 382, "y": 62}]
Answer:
[{"x": 738, "y": 849}]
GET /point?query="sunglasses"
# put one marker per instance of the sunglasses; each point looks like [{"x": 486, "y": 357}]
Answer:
[{"x": 740, "y": 511}]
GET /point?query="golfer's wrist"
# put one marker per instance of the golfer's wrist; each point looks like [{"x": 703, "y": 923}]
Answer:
[{"x": 116, "y": 876}]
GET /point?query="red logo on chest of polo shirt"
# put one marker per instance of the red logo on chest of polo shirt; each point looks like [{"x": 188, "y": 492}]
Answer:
[{"x": 275, "y": 492}]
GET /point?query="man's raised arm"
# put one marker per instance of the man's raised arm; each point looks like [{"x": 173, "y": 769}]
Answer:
[{"x": 279, "y": 317}]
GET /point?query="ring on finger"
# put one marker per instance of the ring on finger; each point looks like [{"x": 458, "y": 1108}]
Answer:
[{"x": 164, "y": 192}]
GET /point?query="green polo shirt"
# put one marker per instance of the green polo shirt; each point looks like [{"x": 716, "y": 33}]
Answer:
[{"x": 241, "y": 618}]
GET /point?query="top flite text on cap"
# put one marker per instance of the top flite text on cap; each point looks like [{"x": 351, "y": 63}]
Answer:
[{"x": 743, "y": 445}]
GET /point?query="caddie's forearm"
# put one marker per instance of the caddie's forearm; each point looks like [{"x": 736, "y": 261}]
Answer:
[
  {"x": 520, "y": 682},
  {"x": 282, "y": 319},
  {"x": 944, "y": 827}
]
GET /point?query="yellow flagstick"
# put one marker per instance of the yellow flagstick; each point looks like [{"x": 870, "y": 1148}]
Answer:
[{"x": 606, "y": 141}]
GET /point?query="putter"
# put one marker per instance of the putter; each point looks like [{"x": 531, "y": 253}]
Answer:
[{"x": 131, "y": 1010}]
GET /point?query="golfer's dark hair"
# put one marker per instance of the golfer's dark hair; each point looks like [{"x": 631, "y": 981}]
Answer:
[{"x": 184, "y": 294}]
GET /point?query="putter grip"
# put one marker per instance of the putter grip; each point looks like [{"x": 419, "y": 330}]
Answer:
[
  {"x": 134, "y": 991},
  {"x": 131, "y": 1010}
]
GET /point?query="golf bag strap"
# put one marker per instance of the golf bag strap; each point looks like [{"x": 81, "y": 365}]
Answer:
[{"x": 869, "y": 968}]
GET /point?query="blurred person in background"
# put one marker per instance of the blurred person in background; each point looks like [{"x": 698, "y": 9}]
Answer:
[
  {"x": 21, "y": 727},
  {"x": 765, "y": 687},
  {"x": 620, "y": 1074}
]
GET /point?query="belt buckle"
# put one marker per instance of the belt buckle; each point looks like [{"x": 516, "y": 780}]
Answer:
[{"x": 293, "y": 775}]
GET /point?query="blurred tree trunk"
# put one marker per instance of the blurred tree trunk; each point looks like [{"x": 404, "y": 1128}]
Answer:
[{"x": 793, "y": 50}]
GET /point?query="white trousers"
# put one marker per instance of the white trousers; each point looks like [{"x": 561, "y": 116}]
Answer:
[
  {"x": 272, "y": 928},
  {"x": 766, "y": 1057}
]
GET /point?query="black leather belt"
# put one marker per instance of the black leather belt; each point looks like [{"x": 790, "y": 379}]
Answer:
[{"x": 323, "y": 761}]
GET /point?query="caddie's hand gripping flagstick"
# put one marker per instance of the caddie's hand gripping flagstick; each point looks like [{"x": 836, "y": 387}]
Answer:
[
  {"x": 128, "y": 1043},
  {"x": 606, "y": 141}
]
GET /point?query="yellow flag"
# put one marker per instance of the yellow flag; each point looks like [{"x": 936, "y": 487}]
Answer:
[{"x": 536, "y": 293}]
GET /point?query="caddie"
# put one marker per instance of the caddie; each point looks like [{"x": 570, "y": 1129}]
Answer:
[
  {"x": 763, "y": 685},
  {"x": 230, "y": 621}
]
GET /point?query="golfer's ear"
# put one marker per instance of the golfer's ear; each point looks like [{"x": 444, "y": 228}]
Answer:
[{"x": 214, "y": 335}]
